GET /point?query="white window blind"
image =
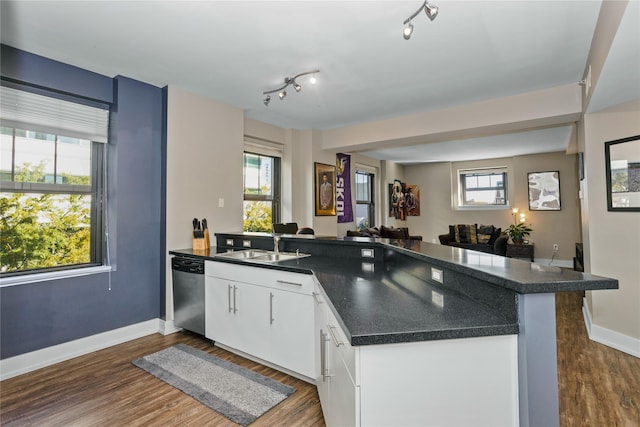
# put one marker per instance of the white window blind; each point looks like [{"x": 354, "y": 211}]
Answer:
[
  {"x": 264, "y": 147},
  {"x": 26, "y": 110}
]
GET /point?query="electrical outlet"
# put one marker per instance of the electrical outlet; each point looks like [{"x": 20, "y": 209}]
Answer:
[
  {"x": 367, "y": 253},
  {"x": 555, "y": 246},
  {"x": 436, "y": 275}
]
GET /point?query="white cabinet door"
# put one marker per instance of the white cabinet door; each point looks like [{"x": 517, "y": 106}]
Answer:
[
  {"x": 251, "y": 329},
  {"x": 219, "y": 316},
  {"x": 321, "y": 350},
  {"x": 344, "y": 395},
  {"x": 292, "y": 339},
  {"x": 237, "y": 315}
]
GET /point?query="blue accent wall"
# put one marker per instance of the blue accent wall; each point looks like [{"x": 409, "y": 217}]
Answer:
[
  {"x": 39, "y": 315},
  {"x": 37, "y": 71}
]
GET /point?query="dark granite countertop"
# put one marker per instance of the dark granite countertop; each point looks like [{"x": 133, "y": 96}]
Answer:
[
  {"x": 381, "y": 301},
  {"x": 379, "y": 306}
]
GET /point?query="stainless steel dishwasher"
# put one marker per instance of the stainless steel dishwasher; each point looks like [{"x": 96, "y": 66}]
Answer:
[{"x": 188, "y": 293}]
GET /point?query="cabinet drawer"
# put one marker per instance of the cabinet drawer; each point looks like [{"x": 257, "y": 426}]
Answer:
[{"x": 278, "y": 279}]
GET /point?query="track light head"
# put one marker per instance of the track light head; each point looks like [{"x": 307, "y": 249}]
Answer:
[
  {"x": 313, "y": 80},
  {"x": 282, "y": 94},
  {"x": 408, "y": 30},
  {"x": 431, "y": 10},
  {"x": 297, "y": 87},
  {"x": 267, "y": 100}
]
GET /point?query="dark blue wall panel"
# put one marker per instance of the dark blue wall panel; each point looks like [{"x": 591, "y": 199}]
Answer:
[
  {"x": 38, "y": 315},
  {"x": 21, "y": 66}
]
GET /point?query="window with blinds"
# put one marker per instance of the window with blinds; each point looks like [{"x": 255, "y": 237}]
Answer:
[
  {"x": 52, "y": 163},
  {"x": 483, "y": 187}
]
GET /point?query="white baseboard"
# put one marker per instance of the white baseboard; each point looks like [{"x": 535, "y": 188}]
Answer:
[
  {"x": 28, "y": 362},
  {"x": 167, "y": 327},
  {"x": 608, "y": 337}
]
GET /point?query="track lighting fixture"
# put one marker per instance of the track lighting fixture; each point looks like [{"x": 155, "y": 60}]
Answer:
[
  {"x": 289, "y": 81},
  {"x": 429, "y": 9}
]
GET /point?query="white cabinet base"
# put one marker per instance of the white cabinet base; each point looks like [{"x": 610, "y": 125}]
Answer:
[
  {"x": 266, "y": 363},
  {"x": 461, "y": 382}
]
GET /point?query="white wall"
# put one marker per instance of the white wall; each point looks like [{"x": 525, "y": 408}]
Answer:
[
  {"x": 204, "y": 164},
  {"x": 611, "y": 238}
]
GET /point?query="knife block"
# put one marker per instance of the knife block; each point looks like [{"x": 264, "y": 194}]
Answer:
[{"x": 201, "y": 243}]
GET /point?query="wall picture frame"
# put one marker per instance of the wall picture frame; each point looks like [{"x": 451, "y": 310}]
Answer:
[
  {"x": 544, "y": 191},
  {"x": 622, "y": 161},
  {"x": 325, "y": 189}
]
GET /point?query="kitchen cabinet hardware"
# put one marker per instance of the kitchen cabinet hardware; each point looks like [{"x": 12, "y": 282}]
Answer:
[
  {"x": 335, "y": 339},
  {"x": 284, "y": 282},
  {"x": 323, "y": 356},
  {"x": 271, "y": 319},
  {"x": 229, "y": 294},
  {"x": 235, "y": 291}
]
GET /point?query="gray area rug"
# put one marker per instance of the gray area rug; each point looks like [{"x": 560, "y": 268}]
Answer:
[{"x": 235, "y": 392}]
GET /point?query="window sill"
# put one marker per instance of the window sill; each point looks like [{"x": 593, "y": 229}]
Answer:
[
  {"x": 483, "y": 208},
  {"x": 52, "y": 275}
]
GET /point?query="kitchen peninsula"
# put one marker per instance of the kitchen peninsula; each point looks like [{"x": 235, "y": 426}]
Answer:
[{"x": 406, "y": 332}]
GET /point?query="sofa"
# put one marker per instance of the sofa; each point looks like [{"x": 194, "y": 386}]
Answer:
[
  {"x": 483, "y": 238},
  {"x": 384, "y": 232}
]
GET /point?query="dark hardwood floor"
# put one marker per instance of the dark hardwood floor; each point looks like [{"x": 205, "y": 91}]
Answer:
[{"x": 599, "y": 386}]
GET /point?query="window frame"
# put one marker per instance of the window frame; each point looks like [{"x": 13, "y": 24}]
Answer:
[
  {"x": 370, "y": 203},
  {"x": 97, "y": 191},
  {"x": 276, "y": 197},
  {"x": 488, "y": 171}
]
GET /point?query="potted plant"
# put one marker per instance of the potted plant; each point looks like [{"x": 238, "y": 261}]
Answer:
[{"x": 517, "y": 232}]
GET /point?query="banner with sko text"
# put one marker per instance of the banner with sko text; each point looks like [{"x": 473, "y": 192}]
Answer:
[{"x": 344, "y": 210}]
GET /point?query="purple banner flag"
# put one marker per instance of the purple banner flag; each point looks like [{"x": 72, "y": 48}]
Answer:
[{"x": 344, "y": 210}]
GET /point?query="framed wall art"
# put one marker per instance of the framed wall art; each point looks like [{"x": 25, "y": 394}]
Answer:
[
  {"x": 544, "y": 191},
  {"x": 622, "y": 160},
  {"x": 325, "y": 189}
]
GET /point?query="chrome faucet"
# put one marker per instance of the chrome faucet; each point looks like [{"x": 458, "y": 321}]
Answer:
[{"x": 276, "y": 244}]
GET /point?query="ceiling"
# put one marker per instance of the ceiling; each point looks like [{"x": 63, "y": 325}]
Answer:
[{"x": 232, "y": 51}]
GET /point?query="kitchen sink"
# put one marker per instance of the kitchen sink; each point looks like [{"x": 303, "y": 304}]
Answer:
[
  {"x": 261, "y": 255},
  {"x": 246, "y": 254},
  {"x": 280, "y": 256}
]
